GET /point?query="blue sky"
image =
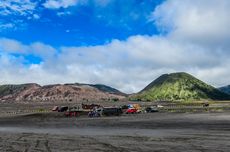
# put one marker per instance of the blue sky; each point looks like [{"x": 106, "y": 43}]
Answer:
[
  {"x": 122, "y": 43},
  {"x": 89, "y": 23}
]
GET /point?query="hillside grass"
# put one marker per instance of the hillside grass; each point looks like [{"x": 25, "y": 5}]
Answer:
[{"x": 179, "y": 87}]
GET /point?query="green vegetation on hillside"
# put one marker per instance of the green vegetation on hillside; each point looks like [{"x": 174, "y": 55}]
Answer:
[{"x": 179, "y": 87}]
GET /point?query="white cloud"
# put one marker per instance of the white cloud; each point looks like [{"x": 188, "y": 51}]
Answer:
[
  {"x": 39, "y": 49},
  {"x": 204, "y": 22},
  {"x": 196, "y": 42},
  {"x": 12, "y": 25},
  {"x": 56, "y": 4},
  {"x": 36, "y": 16},
  {"x": 14, "y": 13},
  {"x": 11, "y": 46},
  {"x": 17, "y": 7},
  {"x": 4, "y": 26},
  {"x": 127, "y": 65},
  {"x": 63, "y": 13}
]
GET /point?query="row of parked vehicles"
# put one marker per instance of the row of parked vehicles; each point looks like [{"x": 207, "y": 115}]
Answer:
[{"x": 95, "y": 110}]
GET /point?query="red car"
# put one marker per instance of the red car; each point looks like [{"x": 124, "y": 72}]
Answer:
[
  {"x": 131, "y": 111},
  {"x": 72, "y": 113}
]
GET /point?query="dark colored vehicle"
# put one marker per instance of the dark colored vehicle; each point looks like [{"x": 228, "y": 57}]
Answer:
[
  {"x": 63, "y": 109},
  {"x": 107, "y": 111},
  {"x": 151, "y": 109},
  {"x": 124, "y": 107},
  {"x": 113, "y": 111}
]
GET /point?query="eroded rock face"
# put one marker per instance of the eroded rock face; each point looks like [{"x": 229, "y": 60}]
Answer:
[{"x": 58, "y": 92}]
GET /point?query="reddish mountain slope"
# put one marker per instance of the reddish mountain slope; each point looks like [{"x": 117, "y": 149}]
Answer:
[{"x": 58, "y": 92}]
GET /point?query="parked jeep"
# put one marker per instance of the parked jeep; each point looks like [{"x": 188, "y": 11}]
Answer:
[{"x": 63, "y": 109}]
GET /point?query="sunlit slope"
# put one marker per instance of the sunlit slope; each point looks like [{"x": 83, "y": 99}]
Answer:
[{"x": 179, "y": 86}]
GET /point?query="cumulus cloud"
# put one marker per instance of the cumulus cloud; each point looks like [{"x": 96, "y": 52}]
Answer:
[
  {"x": 203, "y": 22},
  {"x": 10, "y": 46},
  {"x": 194, "y": 39}
]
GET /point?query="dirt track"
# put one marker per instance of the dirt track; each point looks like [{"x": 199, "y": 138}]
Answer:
[{"x": 144, "y": 132}]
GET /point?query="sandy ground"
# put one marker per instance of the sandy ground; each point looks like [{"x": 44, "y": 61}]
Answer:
[{"x": 163, "y": 132}]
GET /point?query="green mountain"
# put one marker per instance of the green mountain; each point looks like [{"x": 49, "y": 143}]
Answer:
[
  {"x": 225, "y": 89},
  {"x": 179, "y": 87}
]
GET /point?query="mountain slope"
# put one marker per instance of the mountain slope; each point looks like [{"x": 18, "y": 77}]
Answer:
[
  {"x": 9, "y": 91},
  {"x": 103, "y": 88},
  {"x": 58, "y": 92},
  {"x": 179, "y": 86},
  {"x": 225, "y": 89}
]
